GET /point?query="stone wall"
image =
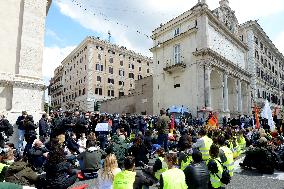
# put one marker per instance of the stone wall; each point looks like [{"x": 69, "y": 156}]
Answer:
[{"x": 140, "y": 101}]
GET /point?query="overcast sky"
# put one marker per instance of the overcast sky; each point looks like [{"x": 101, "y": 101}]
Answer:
[{"x": 68, "y": 24}]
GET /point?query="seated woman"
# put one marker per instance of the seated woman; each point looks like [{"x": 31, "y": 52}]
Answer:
[
  {"x": 107, "y": 173},
  {"x": 139, "y": 151},
  {"x": 59, "y": 173}
]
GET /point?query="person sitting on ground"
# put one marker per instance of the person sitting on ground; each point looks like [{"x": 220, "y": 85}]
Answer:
[
  {"x": 160, "y": 164},
  {"x": 128, "y": 179},
  {"x": 59, "y": 173},
  {"x": 107, "y": 173},
  {"x": 92, "y": 157},
  {"x": 139, "y": 151},
  {"x": 20, "y": 172},
  {"x": 173, "y": 177},
  {"x": 37, "y": 155},
  {"x": 197, "y": 174}
]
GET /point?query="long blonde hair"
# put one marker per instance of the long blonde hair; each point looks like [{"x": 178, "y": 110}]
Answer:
[{"x": 110, "y": 164}]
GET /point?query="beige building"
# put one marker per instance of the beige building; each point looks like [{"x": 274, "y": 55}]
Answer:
[
  {"x": 266, "y": 64},
  {"x": 201, "y": 62},
  {"x": 95, "y": 71},
  {"x": 139, "y": 101},
  {"x": 22, "y": 41}
]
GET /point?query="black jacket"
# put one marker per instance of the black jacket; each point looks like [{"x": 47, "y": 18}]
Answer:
[
  {"x": 44, "y": 129},
  {"x": 197, "y": 176},
  {"x": 20, "y": 122},
  {"x": 141, "y": 180}
]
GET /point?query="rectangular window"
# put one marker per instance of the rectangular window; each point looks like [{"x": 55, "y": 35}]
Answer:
[
  {"x": 99, "y": 56},
  {"x": 99, "y": 78},
  {"x": 131, "y": 75},
  {"x": 110, "y": 70},
  {"x": 140, "y": 69},
  {"x": 176, "y": 31},
  {"x": 177, "y": 58},
  {"x": 111, "y": 60},
  {"x": 121, "y": 63},
  {"x": 98, "y": 67}
]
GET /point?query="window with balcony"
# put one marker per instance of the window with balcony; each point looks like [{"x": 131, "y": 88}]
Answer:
[
  {"x": 111, "y": 81},
  {"x": 177, "y": 56}
]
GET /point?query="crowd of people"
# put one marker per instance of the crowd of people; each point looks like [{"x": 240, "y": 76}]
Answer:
[{"x": 68, "y": 148}]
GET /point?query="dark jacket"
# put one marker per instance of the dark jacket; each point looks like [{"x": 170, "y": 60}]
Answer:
[
  {"x": 44, "y": 129},
  {"x": 36, "y": 157},
  {"x": 141, "y": 180},
  {"x": 58, "y": 175},
  {"x": 91, "y": 158},
  {"x": 20, "y": 122},
  {"x": 197, "y": 176},
  {"x": 163, "y": 124},
  {"x": 119, "y": 148},
  {"x": 20, "y": 173},
  {"x": 140, "y": 154}
]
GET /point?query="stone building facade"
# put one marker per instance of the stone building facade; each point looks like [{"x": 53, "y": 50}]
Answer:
[
  {"x": 200, "y": 62},
  {"x": 22, "y": 41},
  {"x": 266, "y": 65},
  {"x": 95, "y": 71},
  {"x": 139, "y": 101}
]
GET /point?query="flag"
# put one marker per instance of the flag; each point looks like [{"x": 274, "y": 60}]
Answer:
[
  {"x": 257, "y": 125},
  {"x": 172, "y": 126},
  {"x": 213, "y": 122}
]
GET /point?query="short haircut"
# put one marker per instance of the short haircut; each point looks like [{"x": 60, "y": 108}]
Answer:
[
  {"x": 129, "y": 162},
  {"x": 197, "y": 156},
  {"x": 172, "y": 157},
  {"x": 214, "y": 151}
]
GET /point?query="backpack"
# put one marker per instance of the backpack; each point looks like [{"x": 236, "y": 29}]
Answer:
[{"x": 226, "y": 177}]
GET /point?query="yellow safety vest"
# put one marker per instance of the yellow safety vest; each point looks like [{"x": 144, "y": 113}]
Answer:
[
  {"x": 164, "y": 168},
  {"x": 215, "y": 181},
  {"x": 185, "y": 163},
  {"x": 124, "y": 180},
  {"x": 230, "y": 160},
  {"x": 174, "y": 179},
  {"x": 242, "y": 142},
  {"x": 204, "y": 149}
]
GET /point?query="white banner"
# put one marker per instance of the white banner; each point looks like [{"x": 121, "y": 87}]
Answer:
[{"x": 102, "y": 127}]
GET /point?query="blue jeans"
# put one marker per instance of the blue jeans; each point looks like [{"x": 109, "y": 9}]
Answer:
[
  {"x": 21, "y": 136},
  {"x": 163, "y": 141}
]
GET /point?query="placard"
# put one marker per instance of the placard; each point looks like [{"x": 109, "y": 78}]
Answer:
[{"x": 102, "y": 127}]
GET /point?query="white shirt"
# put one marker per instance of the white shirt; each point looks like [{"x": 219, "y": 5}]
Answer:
[{"x": 106, "y": 183}]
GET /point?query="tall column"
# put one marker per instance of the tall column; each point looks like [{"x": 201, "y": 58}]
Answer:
[
  {"x": 225, "y": 91},
  {"x": 207, "y": 89},
  {"x": 240, "y": 103}
]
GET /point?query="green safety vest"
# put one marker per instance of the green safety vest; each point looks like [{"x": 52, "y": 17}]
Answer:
[
  {"x": 215, "y": 181},
  {"x": 230, "y": 160},
  {"x": 174, "y": 179},
  {"x": 164, "y": 168},
  {"x": 186, "y": 162},
  {"x": 204, "y": 149},
  {"x": 124, "y": 180}
]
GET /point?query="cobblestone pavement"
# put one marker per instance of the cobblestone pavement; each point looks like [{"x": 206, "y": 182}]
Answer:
[{"x": 242, "y": 179}]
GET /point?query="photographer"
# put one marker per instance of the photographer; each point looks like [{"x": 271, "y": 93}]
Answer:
[
  {"x": 21, "y": 129},
  {"x": 6, "y": 130}
]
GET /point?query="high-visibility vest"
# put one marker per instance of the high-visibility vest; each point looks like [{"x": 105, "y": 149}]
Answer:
[
  {"x": 242, "y": 142},
  {"x": 124, "y": 180},
  {"x": 186, "y": 162},
  {"x": 204, "y": 149},
  {"x": 2, "y": 165},
  {"x": 164, "y": 168},
  {"x": 174, "y": 179},
  {"x": 230, "y": 160},
  {"x": 215, "y": 178}
]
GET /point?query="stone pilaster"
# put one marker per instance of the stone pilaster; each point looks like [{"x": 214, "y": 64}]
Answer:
[
  {"x": 207, "y": 89},
  {"x": 239, "y": 96},
  {"x": 225, "y": 91}
]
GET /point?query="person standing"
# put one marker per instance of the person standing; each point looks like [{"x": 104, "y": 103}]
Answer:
[
  {"x": 44, "y": 129},
  {"x": 163, "y": 129},
  {"x": 226, "y": 155},
  {"x": 173, "y": 178},
  {"x": 21, "y": 130}
]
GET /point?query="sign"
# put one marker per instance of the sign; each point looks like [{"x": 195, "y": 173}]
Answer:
[{"x": 102, "y": 127}]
